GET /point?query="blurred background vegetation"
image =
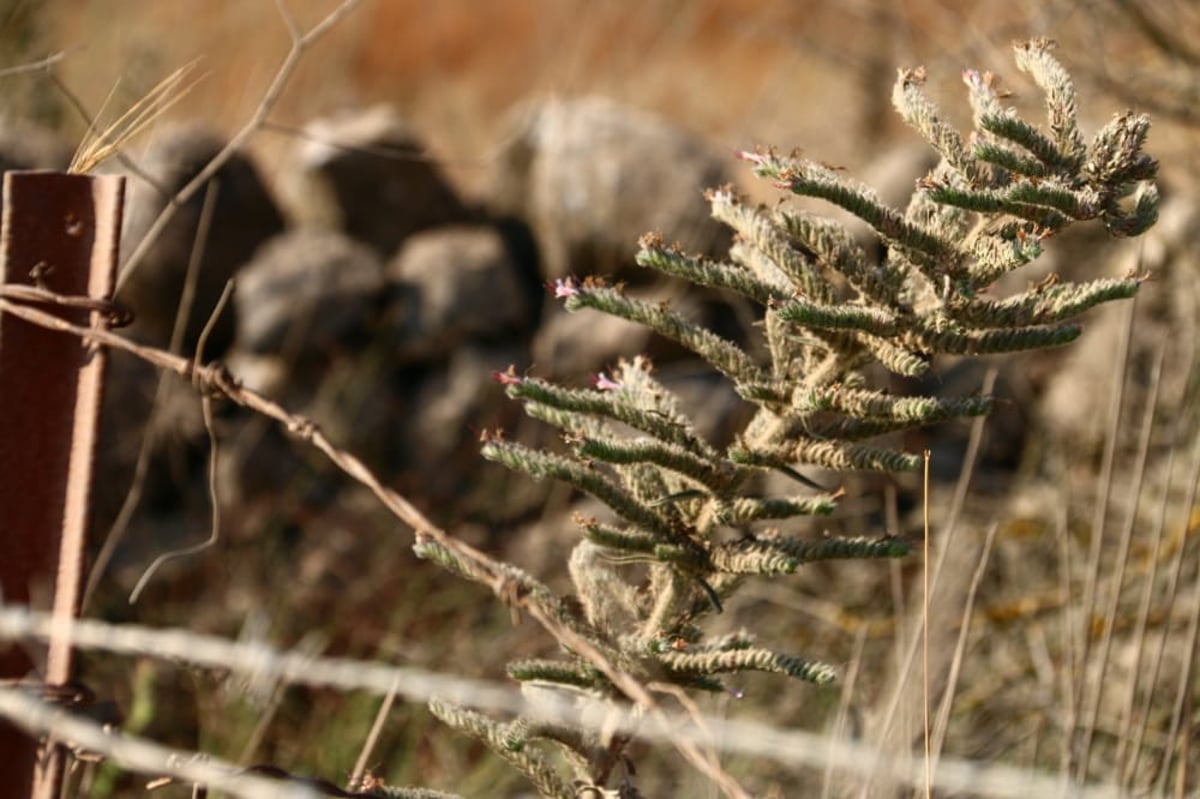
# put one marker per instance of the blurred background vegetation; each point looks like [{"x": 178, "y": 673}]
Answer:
[
  {"x": 337, "y": 577},
  {"x": 814, "y": 75}
]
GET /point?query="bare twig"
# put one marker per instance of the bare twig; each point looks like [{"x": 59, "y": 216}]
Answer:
[
  {"x": 1103, "y": 495},
  {"x": 925, "y": 631},
  {"x": 214, "y": 533},
  {"x": 838, "y": 732},
  {"x": 1099, "y": 519},
  {"x": 1071, "y": 665},
  {"x": 1125, "y": 739},
  {"x": 211, "y": 324},
  {"x": 1169, "y": 600},
  {"x": 902, "y": 681},
  {"x": 1181, "y": 731},
  {"x": 943, "y": 715},
  {"x": 387, "y": 151},
  {"x": 205, "y": 407},
  {"x": 360, "y": 765},
  {"x": 1122, "y": 560},
  {"x": 300, "y": 44},
  {"x": 216, "y": 379},
  {"x": 116, "y": 532},
  {"x": 41, "y": 65}
]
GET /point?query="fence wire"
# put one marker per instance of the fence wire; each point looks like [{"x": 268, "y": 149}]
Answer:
[{"x": 266, "y": 666}]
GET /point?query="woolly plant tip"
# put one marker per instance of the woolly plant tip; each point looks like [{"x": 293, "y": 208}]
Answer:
[
  {"x": 708, "y": 663},
  {"x": 499, "y": 738}
]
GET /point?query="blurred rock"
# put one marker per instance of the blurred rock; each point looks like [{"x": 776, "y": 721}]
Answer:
[
  {"x": 709, "y": 401},
  {"x": 592, "y": 176},
  {"x": 452, "y": 285},
  {"x": 453, "y": 401},
  {"x": 447, "y": 410},
  {"x": 571, "y": 347},
  {"x": 26, "y": 146},
  {"x": 1014, "y": 391},
  {"x": 307, "y": 291},
  {"x": 260, "y": 467},
  {"x": 1074, "y": 407},
  {"x": 171, "y": 431},
  {"x": 892, "y": 176},
  {"x": 366, "y": 173},
  {"x": 243, "y": 217}
]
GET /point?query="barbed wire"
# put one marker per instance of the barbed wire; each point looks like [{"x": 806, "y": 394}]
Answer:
[
  {"x": 40, "y": 718},
  {"x": 259, "y": 663}
]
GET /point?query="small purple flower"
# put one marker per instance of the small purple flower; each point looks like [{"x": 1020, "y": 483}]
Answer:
[
  {"x": 565, "y": 287},
  {"x": 508, "y": 377},
  {"x": 751, "y": 156},
  {"x": 606, "y": 383}
]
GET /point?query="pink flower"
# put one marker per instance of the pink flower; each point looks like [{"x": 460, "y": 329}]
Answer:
[
  {"x": 508, "y": 377},
  {"x": 565, "y": 287},
  {"x": 606, "y": 383},
  {"x": 751, "y": 156}
]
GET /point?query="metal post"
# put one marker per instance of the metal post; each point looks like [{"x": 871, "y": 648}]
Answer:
[{"x": 59, "y": 232}]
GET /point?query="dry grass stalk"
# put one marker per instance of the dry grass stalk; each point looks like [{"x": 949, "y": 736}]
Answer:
[{"x": 98, "y": 147}]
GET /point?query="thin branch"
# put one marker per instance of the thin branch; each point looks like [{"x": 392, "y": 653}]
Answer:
[
  {"x": 41, "y": 65},
  {"x": 289, "y": 19},
  {"x": 183, "y": 312},
  {"x": 838, "y": 731},
  {"x": 1169, "y": 598},
  {"x": 300, "y": 44},
  {"x": 1100, "y": 516},
  {"x": 925, "y": 633},
  {"x": 214, "y": 533},
  {"x": 902, "y": 681},
  {"x": 215, "y": 378},
  {"x": 943, "y": 716},
  {"x": 1136, "y": 482},
  {"x": 1180, "y": 729},
  {"x": 360, "y": 765}
]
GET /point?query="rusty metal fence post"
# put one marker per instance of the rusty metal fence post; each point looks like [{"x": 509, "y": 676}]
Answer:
[{"x": 59, "y": 232}]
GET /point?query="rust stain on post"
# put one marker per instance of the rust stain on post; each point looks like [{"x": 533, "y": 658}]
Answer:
[{"x": 59, "y": 232}]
